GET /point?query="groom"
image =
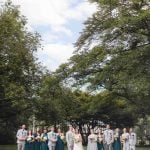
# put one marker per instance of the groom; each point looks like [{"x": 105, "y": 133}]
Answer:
[
  {"x": 69, "y": 138},
  {"x": 21, "y": 138},
  {"x": 108, "y": 138}
]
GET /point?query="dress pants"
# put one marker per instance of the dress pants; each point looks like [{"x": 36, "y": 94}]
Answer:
[
  {"x": 51, "y": 147},
  {"x": 70, "y": 147},
  {"x": 21, "y": 146},
  {"x": 132, "y": 147},
  {"x": 107, "y": 146}
]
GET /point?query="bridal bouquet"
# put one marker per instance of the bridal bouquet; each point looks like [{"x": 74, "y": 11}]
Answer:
[
  {"x": 44, "y": 138},
  {"x": 92, "y": 137},
  {"x": 116, "y": 136},
  {"x": 62, "y": 137},
  {"x": 124, "y": 138},
  {"x": 29, "y": 138},
  {"x": 38, "y": 138},
  {"x": 76, "y": 139}
]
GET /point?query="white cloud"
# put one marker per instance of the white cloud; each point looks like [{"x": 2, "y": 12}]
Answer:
[
  {"x": 53, "y": 17},
  {"x": 54, "y": 12},
  {"x": 55, "y": 54}
]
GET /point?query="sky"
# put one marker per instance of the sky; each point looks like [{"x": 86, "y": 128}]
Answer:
[{"x": 59, "y": 23}]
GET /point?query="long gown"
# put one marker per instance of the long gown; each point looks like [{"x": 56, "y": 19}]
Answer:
[
  {"x": 117, "y": 144},
  {"x": 100, "y": 142},
  {"x": 44, "y": 142},
  {"x": 77, "y": 142},
  {"x": 29, "y": 143},
  {"x": 59, "y": 143},
  {"x": 125, "y": 138},
  {"x": 37, "y": 143},
  {"x": 92, "y": 142}
]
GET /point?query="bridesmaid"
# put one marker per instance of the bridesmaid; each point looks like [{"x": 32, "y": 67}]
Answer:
[
  {"x": 60, "y": 138},
  {"x": 117, "y": 143},
  {"x": 37, "y": 139},
  {"x": 29, "y": 142},
  {"x": 44, "y": 140},
  {"x": 92, "y": 141},
  {"x": 100, "y": 140}
]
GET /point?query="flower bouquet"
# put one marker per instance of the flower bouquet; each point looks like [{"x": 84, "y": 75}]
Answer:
[
  {"x": 30, "y": 138},
  {"x": 62, "y": 137},
  {"x": 76, "y": 139},
  {"x": 92, "y": 138}
]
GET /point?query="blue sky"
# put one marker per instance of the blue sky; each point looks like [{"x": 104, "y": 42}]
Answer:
[{"x": 59, "y": 23}]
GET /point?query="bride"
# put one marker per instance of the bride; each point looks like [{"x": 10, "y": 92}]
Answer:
[{"x": 77, "y": 140}]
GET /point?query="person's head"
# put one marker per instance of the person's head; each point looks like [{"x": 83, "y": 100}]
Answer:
[
  {"x": 131, "y": 130},
  {"x": 70, "y": 128},
  {"x": 58, "y": 130},
  {"x": 45, "y": 130},
  {"x": 23, "y": 126},
  {"x": 92, "y": 131},
  {"x": 107, "y": 126},
  {"x": 100, "y": 131},
  {"x": 117, "y": 130},
  {"x": 124, "y": 130},
  {"x": 76, "y": 130},
  {"x": 37, "y": 129},
  {"x": 30, "y": 132},
  {"x": 52, "y": 128}
]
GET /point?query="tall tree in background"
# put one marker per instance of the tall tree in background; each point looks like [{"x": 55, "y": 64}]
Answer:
[
  {"x": 113, "y": 52},
  {"x": 19, "y": 71}
]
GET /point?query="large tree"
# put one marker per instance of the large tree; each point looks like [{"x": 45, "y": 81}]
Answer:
[
  {"x": 113, "y": 52},
  {"x": 19, "y": 71}
]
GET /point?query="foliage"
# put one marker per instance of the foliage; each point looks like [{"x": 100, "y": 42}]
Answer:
[
  {"x": 112, "y": 53},
  {"x": 19, "y": 71}
]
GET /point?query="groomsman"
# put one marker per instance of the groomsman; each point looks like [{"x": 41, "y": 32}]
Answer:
[
  {"x": 69, "y": 138},
  {"x": 108, "y": 138},
  {"x": 132, "y": 139},
  {"x": 21, "y": 138},
  {"x": 52, "y": 139}
]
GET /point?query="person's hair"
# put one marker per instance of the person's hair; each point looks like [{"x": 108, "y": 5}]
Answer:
[{"x": 29, "y": 131}]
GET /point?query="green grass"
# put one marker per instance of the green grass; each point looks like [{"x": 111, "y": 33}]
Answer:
[{"x": 14, "y": 147}]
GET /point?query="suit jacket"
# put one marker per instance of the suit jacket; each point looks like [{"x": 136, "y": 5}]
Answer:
[
  {"x": 52, "y": 138},
  {"x": 132, "y": 139},
  {"x": 108, "y": 136},
  {"x": 21, "y": 133},
  {"x": 69, "y": 138}
]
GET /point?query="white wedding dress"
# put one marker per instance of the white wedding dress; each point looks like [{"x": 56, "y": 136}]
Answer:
[{"x": 77, "y": 142}]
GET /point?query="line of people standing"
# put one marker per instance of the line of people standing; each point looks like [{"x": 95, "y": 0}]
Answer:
[
  {"x": 104, "y": 140},
  {"x": 112, "y": 140},
  {"x": 26, "y": 140}
]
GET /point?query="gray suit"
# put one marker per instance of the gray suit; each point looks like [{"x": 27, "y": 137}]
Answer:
[
  {"x": 132, "y": 141},
  {"x": 52, "y": 139},
  {"x": 21, "y": 138},
  {"x": 70, "y": 140},
  {"x": 108, "y": 139}
]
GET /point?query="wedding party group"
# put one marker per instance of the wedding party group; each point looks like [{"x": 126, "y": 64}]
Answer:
[{"x": 50, "y": 140}]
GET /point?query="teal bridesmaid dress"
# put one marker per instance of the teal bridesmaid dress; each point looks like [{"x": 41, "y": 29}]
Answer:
[
  {"x": 44, "y": 143},
  {"x": 100, "y": 146},
  {"x": 37, "y": 143},
  {"x": 29, "y": 146},
  {"x": 59, "y": 143},
  {"x": 117, "y": 144}
]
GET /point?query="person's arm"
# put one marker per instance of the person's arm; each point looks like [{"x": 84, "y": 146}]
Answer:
[
  {"x": 67, "y": 137},
  {"x": 17, "y": 135},
  {"x": 135, "y": 138}
]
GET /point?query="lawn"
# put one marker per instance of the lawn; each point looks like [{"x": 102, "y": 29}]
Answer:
[{"x": 13, "y": 147}]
